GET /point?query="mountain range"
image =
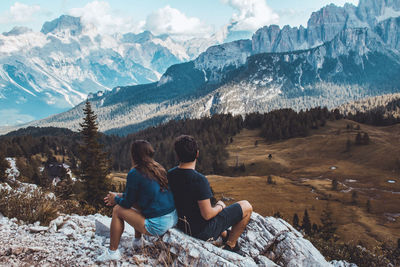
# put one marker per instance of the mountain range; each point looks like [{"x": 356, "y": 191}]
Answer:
[
  {"x": 47, "y": 72},
  {"x": 345, "y": 53}
]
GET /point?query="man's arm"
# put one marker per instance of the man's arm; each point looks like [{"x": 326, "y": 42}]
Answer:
[{"x": 207, "y": 211}]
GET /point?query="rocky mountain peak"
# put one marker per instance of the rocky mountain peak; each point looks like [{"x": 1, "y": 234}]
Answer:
[
  {"x": 374, "y": 11},
  {"x": 138, "y": 38},
  {"x": 330, "y": 14},
  {"x": 219, "y": 57},
  {"x": 379, "y": 5},
  {"x": 62, "y": 24},
  {"x": 17, "y": 30}
]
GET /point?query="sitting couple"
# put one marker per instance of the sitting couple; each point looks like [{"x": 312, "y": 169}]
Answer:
[{"x": 148, "y": 201}]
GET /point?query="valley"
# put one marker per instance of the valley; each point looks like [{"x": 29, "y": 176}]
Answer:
[{"x": 302, "y": 170}]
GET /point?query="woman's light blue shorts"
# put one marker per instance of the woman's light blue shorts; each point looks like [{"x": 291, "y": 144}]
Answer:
[{"x": 159, "y": 225}]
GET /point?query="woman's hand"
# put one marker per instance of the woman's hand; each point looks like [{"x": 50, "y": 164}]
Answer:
[{"x": 110, "y": 199}]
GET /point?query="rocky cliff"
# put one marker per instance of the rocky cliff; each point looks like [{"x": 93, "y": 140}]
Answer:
[
  {"x": 73, "y": 240},
  {"x": 324, "y": 25}
]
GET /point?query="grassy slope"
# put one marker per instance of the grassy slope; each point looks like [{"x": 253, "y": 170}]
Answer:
[{"x": 301, "y": 168}]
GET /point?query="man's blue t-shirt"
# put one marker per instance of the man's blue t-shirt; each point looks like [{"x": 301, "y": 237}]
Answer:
[
  {"x": 147, "y": 193},
  {"x": 188, "y": 186}
]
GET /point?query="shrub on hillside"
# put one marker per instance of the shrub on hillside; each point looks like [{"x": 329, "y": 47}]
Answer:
[
  {"x": 3, "y": 167},
  {"x": 355, "y": 253},
  {"x": 28, "y": 207}
]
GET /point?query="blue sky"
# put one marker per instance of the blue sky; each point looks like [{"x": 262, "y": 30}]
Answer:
[{"x": 176, "y": 17}]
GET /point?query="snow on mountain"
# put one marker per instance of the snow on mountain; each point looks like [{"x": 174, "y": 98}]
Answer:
[
  {"x": 47, "y": 72},
  {"x": 342, "y": 56},
  {"x": 373, "y": 11},
  {"x": 355, "y": 64}
]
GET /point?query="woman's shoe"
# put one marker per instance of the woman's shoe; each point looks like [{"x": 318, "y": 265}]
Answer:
[{"x": 109, "y": 255}]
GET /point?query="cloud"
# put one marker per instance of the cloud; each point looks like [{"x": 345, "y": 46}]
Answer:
[
  {"x": 20, "y": 13},
  {"x": 13, "y": 117},
  {"x": 342, "y": 2},
  {"x": 106, "y": 20},
  {"x": 251, "y": 15},
  {"x": 294, "y": 17},
  {"x": 168, "y": 20}
]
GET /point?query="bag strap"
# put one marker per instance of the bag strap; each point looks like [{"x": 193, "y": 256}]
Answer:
[{"x": 187, "y": 225}]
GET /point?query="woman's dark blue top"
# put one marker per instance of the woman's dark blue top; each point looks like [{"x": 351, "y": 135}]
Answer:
[{"x": 147, "y": 193}]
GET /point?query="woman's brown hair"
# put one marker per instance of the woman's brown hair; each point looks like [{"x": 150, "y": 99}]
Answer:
[{"x": 142, "y": 155}]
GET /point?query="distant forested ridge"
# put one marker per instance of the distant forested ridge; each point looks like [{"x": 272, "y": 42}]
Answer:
[
  {"x": 213, "y": 134},
  {"x": 34, "y": 147},
  {"x": 378, "y": 111}
]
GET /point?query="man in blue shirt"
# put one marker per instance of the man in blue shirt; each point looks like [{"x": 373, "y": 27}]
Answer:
[{"x": 192, "y": 194}]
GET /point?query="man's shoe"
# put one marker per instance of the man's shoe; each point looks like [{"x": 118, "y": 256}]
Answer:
[
  {"x": 109, "y": 255},
  {"x": 236, "y": 249}
]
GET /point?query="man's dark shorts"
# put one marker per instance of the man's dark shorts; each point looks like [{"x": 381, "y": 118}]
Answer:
[{"x": 228, "y": 217}]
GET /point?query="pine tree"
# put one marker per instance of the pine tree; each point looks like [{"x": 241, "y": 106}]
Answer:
[
  {"x": 94, "y": 165},
  {"x": 3, "y": 167},
  {"x": 358, "y": 140},
  {"x": 306, "y": 226},
  {"x": 327, "y": 229},
  {"x": 354, "y": 197},
  {"x": 277, "y": 215},
  {"x": 334, "y": 184},
  {"x": 269, "y": 179},
  {"x": 314, "y": 228},
  {"x": 296, "y": 221},
  {"x": 348, "y": 145},
  {"x": 365, "y": 139},
  {"x": 369, "y": 206}
]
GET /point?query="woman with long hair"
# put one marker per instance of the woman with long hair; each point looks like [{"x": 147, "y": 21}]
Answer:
[{"x": 147, "y": 203}]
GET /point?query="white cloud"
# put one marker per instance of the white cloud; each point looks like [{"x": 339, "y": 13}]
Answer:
[
  {"x": 294, "y": 17},
  {"x": 106, "y": 20},
  {"x": 251, "y": 15},
  {"x": 20, "y": 13},
  {"x": 13, "y": 117},
  {"x": 342, "y": 2},
  {"x": 168, "y": 20}
]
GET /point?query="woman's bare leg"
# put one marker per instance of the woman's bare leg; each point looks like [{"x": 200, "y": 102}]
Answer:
[
  {"x": 116, "y": 229},
  {"x": 137, "y": 233},
  {"x": 120, "y": 215}
]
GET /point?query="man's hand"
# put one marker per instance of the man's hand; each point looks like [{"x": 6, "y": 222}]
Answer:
[
  {"x": 110, "y": 199},
  {"x": 220, "y": 203}
]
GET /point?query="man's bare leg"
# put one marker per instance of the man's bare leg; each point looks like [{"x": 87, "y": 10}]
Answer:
[{"x": 238, "y": 228}]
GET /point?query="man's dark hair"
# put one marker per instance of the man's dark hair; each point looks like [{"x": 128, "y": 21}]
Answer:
[{"x": 186, "y": 148}]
